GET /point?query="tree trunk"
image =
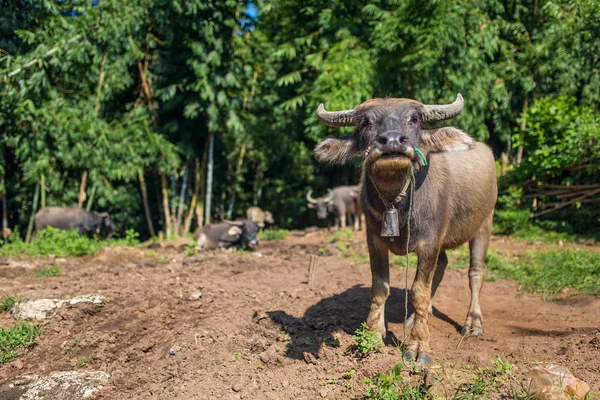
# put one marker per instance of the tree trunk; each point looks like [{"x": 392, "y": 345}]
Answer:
[
  {"x": 238, "y": 171},
  {"x": 4, "y": 212},
  {"x": 36, "y": 197},
  {"x": 523, "y": 127},
  {"x": 209, "y": 178},
  {"x": 197, "y": 182},
  {"x": 184, "y": 184},
  {"x": 82, "y": 190},
  {"x": 504, "y": 163},
  {"x": 146, "y": 206},
  {"x": 165, "y": 201},
  {"x": 43, "y": 189},
  {"x": 91, "y": 198}
]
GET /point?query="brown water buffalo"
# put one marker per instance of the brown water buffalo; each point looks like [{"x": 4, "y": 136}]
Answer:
[
  {"x": 227, "y": 235},
  {"x": 452, "y": 201},
  {"x": 342, "y": 201},
  {"x": 68, "y": 218},
  {"x": 259, "y": 217}
]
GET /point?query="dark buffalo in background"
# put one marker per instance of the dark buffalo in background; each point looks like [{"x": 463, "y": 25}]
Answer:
[
  {"x": 228, "y": 234},
  {"x": 342, "y": 201},
  {"x": 68, "y": 218}
]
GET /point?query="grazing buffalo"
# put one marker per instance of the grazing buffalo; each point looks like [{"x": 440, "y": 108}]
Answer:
[
  {"x": 69, "y": 218},
  {"x": 259, "y": 217},
  {"x": 227, "y": 234},
  {"x": 341, "y": 201},
  {"x": 451, "y": 202}
]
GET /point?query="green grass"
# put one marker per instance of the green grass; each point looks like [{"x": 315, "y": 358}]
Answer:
[
  {"x": 547, "y": 273},
  {"x": 17, "y": 338},
  {"x": 48, "y": 272},
  {"x": 62, "y": 243},
  {"x": 273, "y": 234},
  {"x": 365, "y": 341},
  {"x": 7, "y": 302}
]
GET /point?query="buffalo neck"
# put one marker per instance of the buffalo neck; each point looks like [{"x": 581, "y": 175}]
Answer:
[{"x": 388, "y": 186}]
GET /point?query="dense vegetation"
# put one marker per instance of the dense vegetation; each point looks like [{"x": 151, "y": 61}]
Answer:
[{"x": 168, "y": 112}]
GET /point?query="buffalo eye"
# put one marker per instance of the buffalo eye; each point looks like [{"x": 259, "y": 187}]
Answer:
[{"x": 413, "y": 119}]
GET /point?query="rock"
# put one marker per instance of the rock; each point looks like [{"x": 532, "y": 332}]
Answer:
[
  {"x": 257, "y": 254},
  {"x": 285, "y": 383},
  {"x": 144, "y": 263},
  {"x": 309, "y": 358},
  {"x": 154, "y": 246},
  {"x": 237, "y": 387},
  {"x": 37, "y": 309},
  {"x": 550, "y": 383},
  {"x": 70, "y": 385},
  {"x": 193, "y": 260},
  {"x": 196, "y": 296},
  {"x": 60, "y": 261},
  {"x": 87, "y": 298},
  {"x": 579, "y": 389}
]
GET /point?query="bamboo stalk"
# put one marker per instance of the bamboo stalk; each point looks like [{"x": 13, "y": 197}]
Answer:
[
  {"x": 145, "y": 201},
  {"x": 82, "y": 190},
  {"x": 188, "y": 219},
  {"x": 4, "y": 210},
  {"x": 567, "y": 203},
  {"x": 34, "y": 205},
  {"x": 91, "y": 199},
  {"x": 43, "y": 189},
  {"x": 165, "y": 201},
  {"x": 209, "y": 178},
  {"x": 181, "y": 200},
  {"x": 238, "y": 171}
]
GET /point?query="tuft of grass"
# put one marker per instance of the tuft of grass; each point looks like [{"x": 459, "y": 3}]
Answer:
[
  {"x": 342, "y": 235},
  {"x": 366, "y": 342},
  {"x": 8, "y": 302},
  {"x": 273, "y": 234},
  {"x": 191, "y": 249},
  {"x": 393, "y": 386},
  {"x": 17, "y": 338},
  {"x": 48, "y": 272},
  {"x": 83, "y": 361}
]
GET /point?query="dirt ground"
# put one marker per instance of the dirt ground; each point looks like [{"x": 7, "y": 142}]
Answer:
[{"x": 248, "y": 326}]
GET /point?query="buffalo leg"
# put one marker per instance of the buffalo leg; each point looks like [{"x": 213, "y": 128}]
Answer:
[
  {"x": 442, "y": 263},
  {"x": 356, "y": 220},
  {"x": 478, "y": 249},
  {"x": 380, "y": 288},
  {"x": 343, "y": 220},
  {"x": 417, "y": 345}
]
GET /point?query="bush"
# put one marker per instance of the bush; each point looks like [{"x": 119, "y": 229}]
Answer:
[
  {"x": 366, "y": 341},
  {"x": 509, "y": 221}
]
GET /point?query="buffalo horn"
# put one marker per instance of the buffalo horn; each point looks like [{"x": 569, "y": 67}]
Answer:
[
  {"x": 336, "y": 118},
  {"x": 309, "y": 197},
  {"x": 440, "y": 112}
]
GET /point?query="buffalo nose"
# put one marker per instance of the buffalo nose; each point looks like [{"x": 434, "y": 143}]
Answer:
[{"x": 393, "y": 138}]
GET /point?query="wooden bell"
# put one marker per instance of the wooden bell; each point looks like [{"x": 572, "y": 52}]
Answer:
[{"x": 389, "y": 225}]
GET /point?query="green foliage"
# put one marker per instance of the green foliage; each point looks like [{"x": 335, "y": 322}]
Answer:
[
  {"x": 366, "y": 342},
  {"x": 8, "y": 302},
  {"x": 191, "y": 249},
  {"x": 48, "y": 272},
  {"x": 273, "y": 234},
  {"x": 508, "y": 222},
  {"x": 13, "y": 340},
  {"x": 393, "y": 386},
  {"x": 486, "y": 382}
]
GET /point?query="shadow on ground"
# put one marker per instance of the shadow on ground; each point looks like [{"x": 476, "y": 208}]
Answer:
[{"x": 343, "y": 312}]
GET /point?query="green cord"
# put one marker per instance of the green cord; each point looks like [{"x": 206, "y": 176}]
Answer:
[{"x": 420, "y": 153}]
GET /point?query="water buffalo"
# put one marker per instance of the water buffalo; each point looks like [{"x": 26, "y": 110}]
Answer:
[
  {"x": 452, "y": 200},
  {"x": 227, "y": 234},
  {"x": 259, "y": 217},
  {"x": 341, "y": 201},
  {"x": 68, "y": 218}
]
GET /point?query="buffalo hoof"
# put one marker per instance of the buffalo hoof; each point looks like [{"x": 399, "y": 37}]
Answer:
[
  {"x": 422, "y": 359},
  {"x": 470, "y": 331}
]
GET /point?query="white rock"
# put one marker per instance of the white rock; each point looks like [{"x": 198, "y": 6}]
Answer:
[
  {"x": 69, "y": 385},
  {"x": 37, "y": 309},
  {"x": 87, "y": 298}
]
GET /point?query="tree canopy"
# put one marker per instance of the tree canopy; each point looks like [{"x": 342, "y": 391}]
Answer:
[{"x": 161, "y": 111}]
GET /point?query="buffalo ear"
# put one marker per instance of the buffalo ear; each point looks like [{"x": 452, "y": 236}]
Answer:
[
  {"x": 446, "y": 139},
  {"x": 310, "y": 205},
  {"x": 234, "y": 231},
  {"x": 336, "y": 150}
]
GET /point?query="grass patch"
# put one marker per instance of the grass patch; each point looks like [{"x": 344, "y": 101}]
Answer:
[
  {"x": 273, "y": 234},
  {"x": 8, "y": 302},
  {"x": 48, "y": 272},
  {"x": 553, "y": 272},
  {"x": 544, "y": 272},
  {"x": 63, "y": 243},
  {"x": 17, "y": 338},
  {"x": 365, "y": 341}
]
